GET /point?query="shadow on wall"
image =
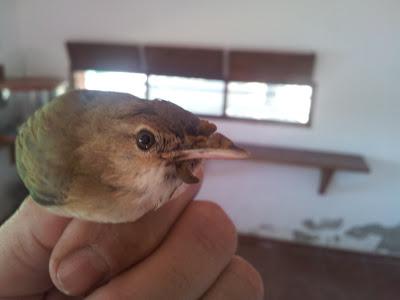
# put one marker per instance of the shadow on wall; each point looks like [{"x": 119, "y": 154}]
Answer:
[
  {"x": 331, "y": 232},
  {"x": 389, "y": 236},
  {"x": 13, "y": 197},
  {"x": 385, "y": 239},
  {"x": 12, "y": 190},
  {"x": 310, "y": 233}
]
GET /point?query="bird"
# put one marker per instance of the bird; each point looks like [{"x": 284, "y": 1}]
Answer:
[{"x": 112, "y": 157}]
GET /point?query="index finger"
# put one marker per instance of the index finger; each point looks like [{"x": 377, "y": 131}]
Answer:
[
  {"x": 26, "y": 241},
  {"x": 89, "y": 253}
]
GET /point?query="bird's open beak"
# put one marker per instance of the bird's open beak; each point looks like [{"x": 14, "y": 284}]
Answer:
[
  {"x": 216, "y": 146},
  {"x": 207, "y": 145}
]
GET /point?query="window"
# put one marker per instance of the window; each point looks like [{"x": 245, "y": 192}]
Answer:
[
  {"x": 245, "y": 100},
  {"x": 124, "y": 82},
  {"x": 275, "y": 102},
  {"x": 261, "y": 86},
  {"x": 200, "y": 96}
]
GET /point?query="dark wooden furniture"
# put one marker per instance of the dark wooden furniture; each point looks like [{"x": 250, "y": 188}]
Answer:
[
  {"x": 26, "y": 84},
  {"x": 327, "y": 162}
]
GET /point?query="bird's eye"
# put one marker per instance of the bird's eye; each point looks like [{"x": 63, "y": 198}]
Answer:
[{"x": 145, "y": 139}]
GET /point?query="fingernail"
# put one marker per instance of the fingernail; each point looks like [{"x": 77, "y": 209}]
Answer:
[{"x": 80, "y": 271}]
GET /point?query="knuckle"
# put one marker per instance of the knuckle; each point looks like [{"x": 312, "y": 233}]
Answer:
[
  {"x": 25, "y": 247},
  {"x": 109, "y": 292},
  {"x": 21, "y": 256},
  {"x": 249, "y": 276},
  {"x": 105, "y": 294},
  {"x": 179, "y": 278},
  {"x": 213, "y": 228}
]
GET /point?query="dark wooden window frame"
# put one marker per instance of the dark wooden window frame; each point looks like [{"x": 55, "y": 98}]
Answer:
[{"x": 203, "y": 63}]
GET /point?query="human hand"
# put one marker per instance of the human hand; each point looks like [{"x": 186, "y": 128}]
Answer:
[{"x": 184, "y": 250}]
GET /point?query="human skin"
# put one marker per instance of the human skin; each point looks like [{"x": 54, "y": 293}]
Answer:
[{"x": 184, "y": 250}]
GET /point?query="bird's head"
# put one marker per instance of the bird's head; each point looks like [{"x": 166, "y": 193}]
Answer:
[
  {"x": 133, "y": 152},
  {"x": 159, "y": 132}
]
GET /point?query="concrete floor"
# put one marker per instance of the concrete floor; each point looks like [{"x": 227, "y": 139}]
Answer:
[{"x": 296, "y": 272}]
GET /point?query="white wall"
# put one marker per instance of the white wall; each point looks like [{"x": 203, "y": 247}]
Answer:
[
  {"x": 356, "y": 109},
  {"x": 9, "y": 38}
]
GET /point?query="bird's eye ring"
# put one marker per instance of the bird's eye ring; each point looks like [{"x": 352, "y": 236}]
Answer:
[{"x": 145, "y": 140}]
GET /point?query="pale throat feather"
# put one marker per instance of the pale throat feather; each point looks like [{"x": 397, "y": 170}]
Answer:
[{"x": 156, "y": 185}]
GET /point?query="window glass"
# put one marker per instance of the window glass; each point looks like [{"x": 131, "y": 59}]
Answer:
[
  {"x": 246, "y": 100},
  {"x": 132, "y": 83},
  {"x": 277, "y": 102},
  {"x": 200, "y": 96}
]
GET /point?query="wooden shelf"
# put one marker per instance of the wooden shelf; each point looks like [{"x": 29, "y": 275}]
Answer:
[
  {"x": 26, "y": 84},
  {"x": 327, "y": 162}
]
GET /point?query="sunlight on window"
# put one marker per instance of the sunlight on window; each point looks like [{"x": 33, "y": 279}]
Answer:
[
  {"x": 249, "y": 100},
  {"x": 132, "y": 83},
  {"x": 278, "y": 102},
  {"x": 200, "y": 96}
]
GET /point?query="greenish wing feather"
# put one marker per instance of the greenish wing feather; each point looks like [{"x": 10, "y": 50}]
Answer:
[{"x": 44, "y": 150}]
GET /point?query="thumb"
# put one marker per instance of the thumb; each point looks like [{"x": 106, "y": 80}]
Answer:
[{"x": 26, "y": 241}]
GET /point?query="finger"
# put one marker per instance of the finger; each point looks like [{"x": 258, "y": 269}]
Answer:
[
  {"x": 26, "y": 240},
  {"x": 238, "y": 281},
  {"x": 197, "y": 249},
  {"x": 55, "y": 294},
  {"x": 89, "y": 253}
]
